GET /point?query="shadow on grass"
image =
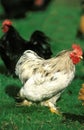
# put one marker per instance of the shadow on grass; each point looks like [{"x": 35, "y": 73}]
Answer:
[
  {"x": 79, "y": 77},
  {"x": 12, "y": 91},
  {"x": 3, "y": 70},
  {"x": 73, "y": 117}
]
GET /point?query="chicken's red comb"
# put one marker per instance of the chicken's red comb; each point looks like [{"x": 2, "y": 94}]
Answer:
[
  {"x": 7, "y": 22},
  {"x": 77, "y": 48}
]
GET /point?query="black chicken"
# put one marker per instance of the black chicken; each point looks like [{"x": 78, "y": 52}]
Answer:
[
  {"x": 12, "y": 45},
  {"x": 15, "y": 8},
  {"x": 18, "y": 8}
]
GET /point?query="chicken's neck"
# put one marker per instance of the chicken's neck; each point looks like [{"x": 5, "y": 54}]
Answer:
[{"x": 63, "y": 62}]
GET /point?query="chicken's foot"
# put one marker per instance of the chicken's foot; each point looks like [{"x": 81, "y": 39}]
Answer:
[
  {"x": 53, "y": 109},
  {"x": 24, "y": 103}
]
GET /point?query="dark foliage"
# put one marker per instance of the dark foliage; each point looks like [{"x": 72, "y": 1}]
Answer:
[{"x": 73, "y": 117}]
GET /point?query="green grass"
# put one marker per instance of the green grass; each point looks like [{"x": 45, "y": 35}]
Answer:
[{"x": 60, "y": 23}]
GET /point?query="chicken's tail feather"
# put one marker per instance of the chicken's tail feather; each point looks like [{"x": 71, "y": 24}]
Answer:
[
  {"x": 40, "y": 37},
  {"x": 25, "y": 63}
]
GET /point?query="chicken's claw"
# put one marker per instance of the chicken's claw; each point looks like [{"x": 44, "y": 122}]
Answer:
[
  {"x": 55, "y": 111},
  {"x": 24, "y": 103},
  {"x": 52, "y": 108}
]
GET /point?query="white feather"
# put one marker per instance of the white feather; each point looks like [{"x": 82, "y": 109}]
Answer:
[
  {"x": 44, "y": 79},
  {"x": 37, "y": 89}
]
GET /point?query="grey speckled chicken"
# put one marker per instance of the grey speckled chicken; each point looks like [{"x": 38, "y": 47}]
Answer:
[{"x": 45, "y": 80}]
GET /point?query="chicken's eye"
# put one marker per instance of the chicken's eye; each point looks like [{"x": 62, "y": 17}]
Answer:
[{"x": 74, "y": 53}]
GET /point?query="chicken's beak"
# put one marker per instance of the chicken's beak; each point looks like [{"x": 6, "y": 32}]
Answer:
[{"x": 81, "y": 57}]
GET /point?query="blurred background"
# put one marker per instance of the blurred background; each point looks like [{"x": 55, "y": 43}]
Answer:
[
  {"x": 63, "y": 22},
  {"x": 58, "y": 18}
]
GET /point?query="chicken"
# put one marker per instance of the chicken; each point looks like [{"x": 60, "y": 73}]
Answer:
[
  {"x": 19, "y": 8},
  {"x": 12, "y": 45},
  {"x": 44, "y": 80},
  {"x": 81, "y": 94},
  {"x": 13, "y": 9},
  {"x": 80, "y": 31}
]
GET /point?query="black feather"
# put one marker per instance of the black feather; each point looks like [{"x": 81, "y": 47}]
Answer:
[
  {"x": 40, "y": 44},
  {"x": 12, "y": 46}
]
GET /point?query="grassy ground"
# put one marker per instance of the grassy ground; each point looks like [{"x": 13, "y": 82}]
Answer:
[{"x": 60, "y": 23}]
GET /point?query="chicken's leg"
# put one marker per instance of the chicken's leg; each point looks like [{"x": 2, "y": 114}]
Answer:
[
  {"x": 51, "y": 104},
  {"x": 53, "y": 109}
]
